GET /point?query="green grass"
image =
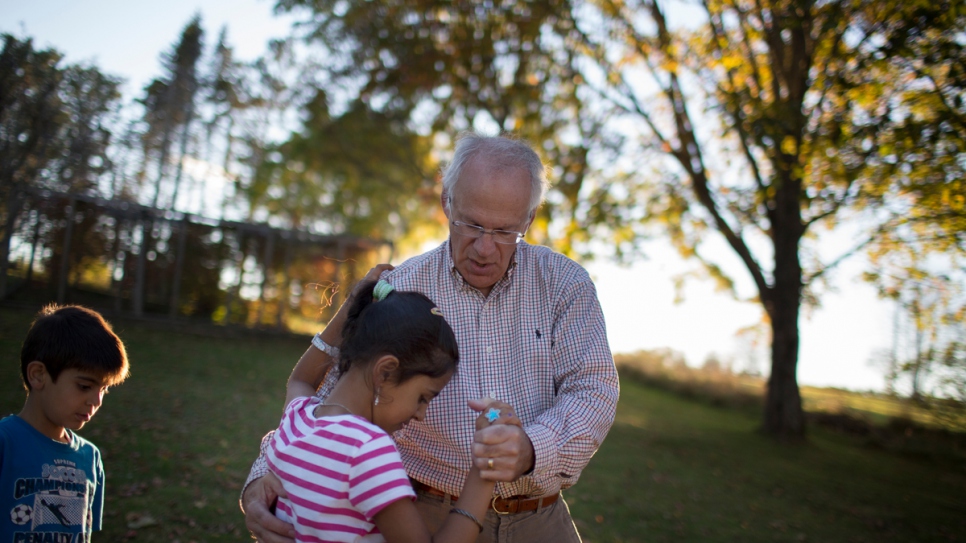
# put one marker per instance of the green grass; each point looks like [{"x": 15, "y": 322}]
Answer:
[
  {"x": 179, "y": 436},
  {"x": 677, "y": 470}
]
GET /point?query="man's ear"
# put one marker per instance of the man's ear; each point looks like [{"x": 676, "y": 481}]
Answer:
[
  {"x": 37, "y": 375},
  {"x": 533, "y": 216},
  {"x": 384, "y": 369},
  {"x": 444, "y": 201}
]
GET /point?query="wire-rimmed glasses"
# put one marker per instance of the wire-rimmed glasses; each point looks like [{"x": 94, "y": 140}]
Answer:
[{"x": 505, "y": 237}]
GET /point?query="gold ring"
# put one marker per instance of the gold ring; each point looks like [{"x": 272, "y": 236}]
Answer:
[{"x": 489, "y": 463}]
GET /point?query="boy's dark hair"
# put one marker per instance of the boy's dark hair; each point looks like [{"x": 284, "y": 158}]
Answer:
[
  {"x": 403, "y": 325},
  {"x": 72, "y": 336}
]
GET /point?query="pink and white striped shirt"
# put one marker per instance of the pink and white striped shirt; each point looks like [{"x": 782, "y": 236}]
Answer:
[{"x": 339, "y": 472}]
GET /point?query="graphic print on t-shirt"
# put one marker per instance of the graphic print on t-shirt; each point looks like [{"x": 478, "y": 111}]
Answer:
[{"x": 59, "y": 498}]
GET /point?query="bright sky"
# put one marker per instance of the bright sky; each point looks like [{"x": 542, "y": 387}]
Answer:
[{"x": 125, "y": 38}]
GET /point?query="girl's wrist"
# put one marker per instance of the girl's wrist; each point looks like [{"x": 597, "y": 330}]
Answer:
[{"x": 320, "y": 343}]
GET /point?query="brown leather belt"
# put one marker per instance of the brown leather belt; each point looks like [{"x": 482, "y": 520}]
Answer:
[{"x": 503, "y": 506}]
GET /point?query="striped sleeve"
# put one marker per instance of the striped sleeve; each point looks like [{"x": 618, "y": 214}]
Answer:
[{"x": 377, "y": 477}]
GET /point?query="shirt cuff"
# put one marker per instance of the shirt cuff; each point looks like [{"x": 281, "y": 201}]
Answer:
[
  {"x": 545, "y": 461},
  {"x": 259, "y": 469}
]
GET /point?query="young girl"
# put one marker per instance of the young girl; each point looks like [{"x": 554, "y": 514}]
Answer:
[{"x": 343, "y": 475}]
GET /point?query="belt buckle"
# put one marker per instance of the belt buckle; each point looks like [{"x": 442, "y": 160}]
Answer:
[{"x": 495, "y": 510}]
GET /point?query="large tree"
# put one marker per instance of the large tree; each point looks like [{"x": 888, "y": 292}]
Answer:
[
  {"x": 169, "y": 111},
  {"x": 778, "y": 117},
  {"x": 452, "y": 66},
  {"x": 758, "y": 121}
]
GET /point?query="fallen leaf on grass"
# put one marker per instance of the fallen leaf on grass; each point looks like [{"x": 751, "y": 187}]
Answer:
[
  {"x": 136, "y": 521},
  {"x": 134, "y": 489}
]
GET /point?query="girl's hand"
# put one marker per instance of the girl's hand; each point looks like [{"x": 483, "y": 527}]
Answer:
[{"x": 494, "y": 412}]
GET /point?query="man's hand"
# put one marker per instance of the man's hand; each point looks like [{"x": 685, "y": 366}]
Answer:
[
  {"x": 265, "y": 527},
  {"x": 372, "y": 275},
  {"x": 333, "y": 331},
  {"x": 501, "y": 450}
]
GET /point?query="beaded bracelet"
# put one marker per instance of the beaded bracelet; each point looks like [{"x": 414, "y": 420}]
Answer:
[
  {"x": 468, "y": 515},
  {"x": 321, "y": 345}
]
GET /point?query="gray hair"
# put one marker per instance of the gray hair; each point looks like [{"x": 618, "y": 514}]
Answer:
[{"x": 502, "y": 152}]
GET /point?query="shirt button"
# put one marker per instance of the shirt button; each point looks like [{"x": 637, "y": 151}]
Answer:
[{"x": 489, "y": 349}]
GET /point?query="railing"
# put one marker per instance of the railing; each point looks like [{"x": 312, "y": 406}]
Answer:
[{"x": 152, "y": 261}]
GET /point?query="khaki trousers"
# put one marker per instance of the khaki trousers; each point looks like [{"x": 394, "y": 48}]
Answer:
[{"x": 550, "y": 524}]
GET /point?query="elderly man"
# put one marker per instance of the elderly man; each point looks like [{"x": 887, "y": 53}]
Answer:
[{"x": 530, "y": 333}]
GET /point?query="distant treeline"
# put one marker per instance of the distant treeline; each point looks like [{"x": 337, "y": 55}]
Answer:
[{"x": 175, "y": 203}]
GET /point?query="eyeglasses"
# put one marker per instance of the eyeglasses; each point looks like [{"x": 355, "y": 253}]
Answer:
[{"x": 506, "y": 237}]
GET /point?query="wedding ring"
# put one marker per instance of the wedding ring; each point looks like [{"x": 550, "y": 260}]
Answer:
[{"x": 489, "y": 463}]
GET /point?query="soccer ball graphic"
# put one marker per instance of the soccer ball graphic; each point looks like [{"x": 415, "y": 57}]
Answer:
[{"x": 20, "y": 514}]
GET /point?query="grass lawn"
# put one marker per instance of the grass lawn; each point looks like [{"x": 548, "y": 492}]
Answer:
[
  {"x": 673, "y": 469},
  {"x": 179, "y": 436}
]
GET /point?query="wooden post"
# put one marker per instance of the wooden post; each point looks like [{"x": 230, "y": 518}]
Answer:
[
  {"x": 233, "y": 291},
  {"x": 115, "y": 251},
  {"x": 65, "y": 256},
  {"x": 178, "y": 268},
  {"x": 266, "y": 269},
  {"x": 284, "y": 291},
  {"x": 137, "y": 297}
]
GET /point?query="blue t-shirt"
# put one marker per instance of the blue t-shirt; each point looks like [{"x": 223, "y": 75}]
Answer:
[{"x": 49, "y": 491}]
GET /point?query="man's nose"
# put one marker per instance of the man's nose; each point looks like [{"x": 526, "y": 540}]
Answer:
[{"x": 485, "y": 244}]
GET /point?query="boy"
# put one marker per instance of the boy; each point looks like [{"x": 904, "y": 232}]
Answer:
[{"x": 51, "y": 479}]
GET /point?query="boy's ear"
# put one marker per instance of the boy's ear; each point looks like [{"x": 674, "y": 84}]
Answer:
[
  {"x": 384, "y": 369},
  {"x": 37, "y": 375}
]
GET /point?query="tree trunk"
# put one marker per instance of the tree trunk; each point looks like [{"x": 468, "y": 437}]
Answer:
[
  {"x": 920, "y": 361},
  {"x": 784, "y": 417},
  {"x": 33, "y": 250}
]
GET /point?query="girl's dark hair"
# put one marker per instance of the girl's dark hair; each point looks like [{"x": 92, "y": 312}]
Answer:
[
  {"x": 404, "y": 325},
  {"x": 73, "y": 336}
]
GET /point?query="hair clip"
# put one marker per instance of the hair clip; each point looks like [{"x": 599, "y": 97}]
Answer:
[
  {"x": 436, "y": 311},
  {"x": 381, "y": 290}
]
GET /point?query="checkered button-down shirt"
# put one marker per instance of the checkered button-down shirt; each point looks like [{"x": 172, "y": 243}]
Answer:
[{"x": 537, "y": 342}]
